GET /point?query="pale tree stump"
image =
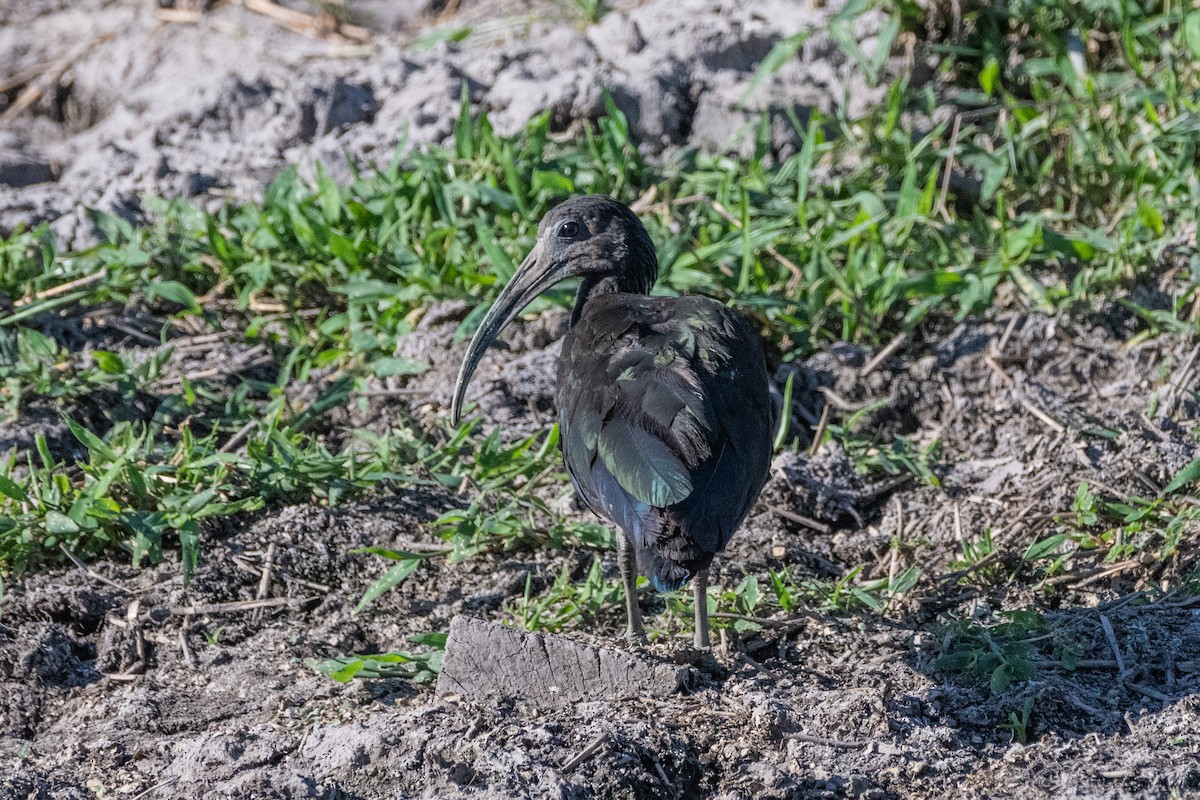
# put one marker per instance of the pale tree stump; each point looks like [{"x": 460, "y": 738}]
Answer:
[{"x": 485, "y": 660}]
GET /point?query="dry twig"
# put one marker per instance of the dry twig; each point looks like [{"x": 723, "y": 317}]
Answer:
[
  {"x": 1048, "y": 420},
  {"x": 1112, "y": 641},
  {"x": 91, "y": 573},
  {"x": 36, "y": 86},
  {"x": 239, "y": 606},
  {"x": 883, "y": 355},
  {"x": 325, "y": 26},
  {"x": 801, "y": 519},
  {"x": 841, "y": 744},
  {"x": 819, "y": 433},
  {"x": 62, "y": 288},
  {"x": 188, "y": 658},
  {"x": 594, "y": 747}
]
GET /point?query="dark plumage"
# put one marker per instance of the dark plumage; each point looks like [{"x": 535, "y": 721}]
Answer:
[{"x": 663, "y": 402}]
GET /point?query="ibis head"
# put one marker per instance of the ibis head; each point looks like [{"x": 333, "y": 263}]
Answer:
[{"x": 594, "y": 238}]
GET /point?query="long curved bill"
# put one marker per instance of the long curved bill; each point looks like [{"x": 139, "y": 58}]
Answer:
[{"x": 535, "y": 275}]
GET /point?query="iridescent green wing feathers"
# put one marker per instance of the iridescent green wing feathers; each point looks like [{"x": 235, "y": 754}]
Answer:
[
  {"x": 651, "y": 424},
  {"x": 643, "y": 465}
]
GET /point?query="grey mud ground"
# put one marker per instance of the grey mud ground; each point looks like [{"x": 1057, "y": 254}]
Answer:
[{"x": 220, "y": 704}]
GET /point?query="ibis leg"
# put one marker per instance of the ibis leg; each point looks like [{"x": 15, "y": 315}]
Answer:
[
  {"x": 700, "y": 589},
  {"x": 627, "y": 564}
]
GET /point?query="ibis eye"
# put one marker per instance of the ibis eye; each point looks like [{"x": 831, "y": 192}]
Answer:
[{"x": 568, "y": 230}]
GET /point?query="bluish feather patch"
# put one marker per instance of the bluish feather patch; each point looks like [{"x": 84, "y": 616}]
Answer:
[{"x": 662, "y": 586}]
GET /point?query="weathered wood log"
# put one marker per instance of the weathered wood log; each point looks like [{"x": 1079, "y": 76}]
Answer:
[{"x": 485, "y": 660}]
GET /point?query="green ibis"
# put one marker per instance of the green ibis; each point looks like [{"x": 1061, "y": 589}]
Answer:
[{"x": 664, "y": 408}]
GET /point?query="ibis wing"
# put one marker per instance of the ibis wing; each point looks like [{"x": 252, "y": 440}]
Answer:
[{"x": 663, "y": 404}]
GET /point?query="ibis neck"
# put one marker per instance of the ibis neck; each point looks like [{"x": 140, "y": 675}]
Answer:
[{"x": 590, "y": 288}]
